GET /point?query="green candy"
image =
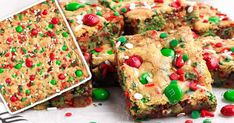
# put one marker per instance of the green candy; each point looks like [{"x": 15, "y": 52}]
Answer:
[
  {"x": 64, "y": 48},
  {"x": 174, "y": 43},
  {"x": 214, "y": 20},
  {"x": 65, "y": 34},
  {"x": 53, "y": 82},
  {"x": 79, "y": 73},
  {"x": 124, "y": 10},
  {"x": 173, "y": 92},
  {"x": 51, "y": 26},
  {"x": 232, "y": 49},
  {"x": 229, "y": 95},
  {"x": 100, "y": 94},
  {"x": 73, "y": 6},
  {"x": 18, "y": 66},
  {"x": 195, "y": 114},
  {"x": 185, "y": 57},
  {"x": 207, "y": 121},
  {"x": 58, "y": 62},
  {"x": 19, "y": 29},
  {"x": 163, "y": 35},
  {"x": 122, "y": 39},
  {"x": 168, "y": 52},
  {"x": 1, "y": 70},
  {"x": 143, "y": 78},
  {"x": 27, "y": 92}
]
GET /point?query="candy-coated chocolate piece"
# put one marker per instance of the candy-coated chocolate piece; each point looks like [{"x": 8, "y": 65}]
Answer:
[
  {"x": 100, "y": 94},
  {"x": 73, "y": 6},
  {"x": 228, "y": 110},
  {"x": 91, "y": 19},
  {"x": 173, "y": 92},
  {"x": 134, "y": 61},
  {"x": 195, "y": 114},
  {"x": 229, "y": 95},
  {"x": 168, "y": 52}
]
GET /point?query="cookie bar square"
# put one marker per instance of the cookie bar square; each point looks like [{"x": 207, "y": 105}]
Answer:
[
  {"x": 164, "y": 74},
  {"x": 219, "y": 57},
  {"x": 40, "y": 58},
  {"x": 209, "y": 21},
  {"x": 93, "y": 24}
]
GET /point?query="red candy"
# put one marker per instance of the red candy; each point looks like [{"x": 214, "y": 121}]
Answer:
[
  {"x": 228, "y": 110},
  {"x": 91, "y": 19},
  {"x": 34, "y": 32},
  {"x": 45, "y": 12},
  {"x": 8, "y": 80},
  {"x": 55, "y": 20},
  {"x": 188, "y": 121},
  {"x": 212, "y": 63},
  {"x": 174, "y": 76},
  {"x": 32, "y": 77},
  {"x": 179, "y": 62},
  {"x": 176, "y": 4},
  {"x": 218, "y": 45},
  {"x": 13, "y": 99},
  {"x": 68, "y": 114},
  {"x": 28, "y": 63},
  {"x": 205, "y": 113},
  {"x": 159, "y": 1},
  {"x": 134, "y": 61},
  {"x": 61, "y": 76},
  {"x": 87, "y": 57}
]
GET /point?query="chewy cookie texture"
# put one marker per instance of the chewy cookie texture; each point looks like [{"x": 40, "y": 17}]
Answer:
[
  {"x": 163, "y": 74},
  {"x": 219, "y": 56},
  {"x": 38, "y": 56},
  {"x": 95, "y": 26}
]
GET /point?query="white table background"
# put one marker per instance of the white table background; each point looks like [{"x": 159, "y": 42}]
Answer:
[{"x": 113, "y": 110}]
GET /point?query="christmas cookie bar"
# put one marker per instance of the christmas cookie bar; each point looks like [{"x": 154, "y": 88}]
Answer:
[
  {"x": 141, "y": 16},
  {"x": 219, "y": 57},
  {"x": 78, "y": 97},
  {"x": 93, "y": 24},
  {"x": 163, "y": 74},
  {"x": 103, "y": 66},
  {"x": 39, "y": 57},
  {"x": 208, "y": 21}
]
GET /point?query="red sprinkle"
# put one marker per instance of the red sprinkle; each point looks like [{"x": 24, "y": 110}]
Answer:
[
  {"x": 98, "y": 49},
  {"x": 193, "y": 86},
  {"x": 150, "y": 85},
  {"x": 52, "y": 56},
  {"x": 205, "y": 113},
  {"x": 212, "y": 63},
  {"x": 228, "y": 110},
  {"x": 176, "y": 4},
  {"x": 188, "y": 121},
  {"x": 68, "y": 114},
  {"x": 45, "y": 12},
  {"x": 159, "y": 1},
  {"x": 34, "y": 32},
  {"x": 32, "y": 77},
  {"x": 219, "y": 44},
  {"x": 179, "y": 62}
]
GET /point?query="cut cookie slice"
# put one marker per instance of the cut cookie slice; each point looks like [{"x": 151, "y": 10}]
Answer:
[
  {"x": 104, "y": 66},
  {"x": 164, "y": 74},
  {"x": 39, "y": 57},
  {"x": 141, "y": 16},
  {"x": 78, "y": 97},
  {"x": 219, "y": 57},
  {"x": 209, "y": 21}
]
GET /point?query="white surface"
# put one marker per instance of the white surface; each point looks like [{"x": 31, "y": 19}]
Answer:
[{"x": 112, "y": 111}]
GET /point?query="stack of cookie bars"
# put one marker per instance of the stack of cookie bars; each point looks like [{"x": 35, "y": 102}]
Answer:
[{"x": 165, "y": 54}]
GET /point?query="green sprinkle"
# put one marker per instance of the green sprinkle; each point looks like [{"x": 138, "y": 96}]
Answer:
[
  {"x": 185, "y": 57},
  {"x": 65, "y": 34},
  {"x": 163, "y": 35},
  {"x": 207, "y": 121},
  {"x": 79, "y": 73},
  {"x": 53, "y": 82},
  {"x": 58, "y": 62},
  {"x": 214, "y": 20},
  {"x": 195, "y": 114},
  {"x": 71, "y": 21},
  {"x": 99, "y": 13},
  {"x": 24, "y": 50},
  {"x": 116, "y": 13},
  {"x": 13, "y": 49},
  {"x": 39, "y": 64},
  {"x": 174, "y": 43},
  {"x": 18, "y": 66},
  {"x": 195, "y": 64},
  {"x": 13, "y": 75},
  {"x": 19, "y": 29},
  {"x": 23, "y": 99}
]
